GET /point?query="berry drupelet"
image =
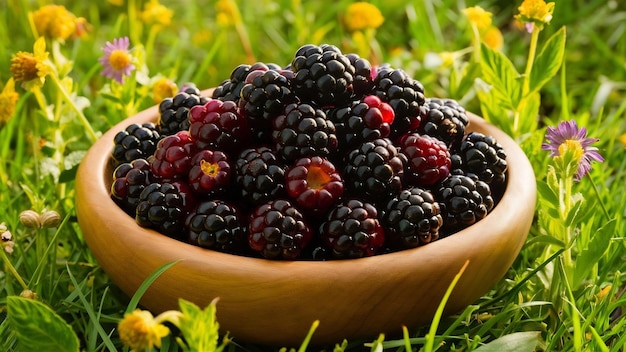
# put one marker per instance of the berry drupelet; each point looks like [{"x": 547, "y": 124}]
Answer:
[
  {"x": 217, "y": 225},
  {"x": 174, "y": 112},
  {"x": 135, "y": 142},
  {"x": 352, "y": 230},
  {"x": 428, "y": 159},
  {"x": 303, "y": 131},
  {"x": 463, "y": 202},
  {"x": 412, "y": 218},
  {"x": 278, "y": 230},
  {"x": 323, "y": 75},
  {"x": 374, "y": 170},
  {"x": 363, "y": 82},
  {"x": 129, "y": 179},
  {"x": 483, "y": 157},
  {"x": 230, "y": 89}
]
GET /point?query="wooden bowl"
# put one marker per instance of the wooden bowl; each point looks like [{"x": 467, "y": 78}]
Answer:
[{"x": 275, "y": 302}]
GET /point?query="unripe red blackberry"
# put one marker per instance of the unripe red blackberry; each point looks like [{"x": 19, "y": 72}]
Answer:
[
  {"x": 172, "y": 158},
  {"x": 314, "y": 184},
  {"x": 210, "y": 173},
  {"x": 428, "y": 159},
  {"x": 135, "y": 142},
  {"x": 324, "y": 76},
  {"x": 412, "y": 218},
  {"x": 218, "y": 125},
  {"x": 303, "y": 131},
  {"x": 352, "y": 230},
  {"x": 217, "y": 225},
  {"x": 278, "y": 230}
]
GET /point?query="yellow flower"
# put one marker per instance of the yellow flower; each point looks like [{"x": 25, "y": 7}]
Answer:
[
  {"x": 227, "y": 13},
  {"x": 362, "y": 15},
  {"x": 622, "y": 139},
  {"x": 31, "y": 68},
  {"x": 478, "y": 17},
  {"x": 116, "y": 2},
  {"x": 8, "y": 100},
  {"x": 55, "y": 22},
  {"x": 535, "y": 12},
  {"x": 163, "y": 88},
  {"x": 492, "y": 37},
  {"x": 156, "y": 14},
  {"x": 139, "y": 330}
]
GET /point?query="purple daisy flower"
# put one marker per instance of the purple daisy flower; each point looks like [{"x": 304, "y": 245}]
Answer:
[
  {"x": 568, "y": 135},
  {"x": 117, "y": 60}
]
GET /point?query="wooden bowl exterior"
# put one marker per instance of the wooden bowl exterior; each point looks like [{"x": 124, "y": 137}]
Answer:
[{"x": 275, "y": 302}]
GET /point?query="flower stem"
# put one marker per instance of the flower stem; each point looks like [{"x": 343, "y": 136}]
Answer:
[
  {"x": 83, "y": 119},
  {"x": 11, "y": 268},
  {"x": 529, "y": 67}
]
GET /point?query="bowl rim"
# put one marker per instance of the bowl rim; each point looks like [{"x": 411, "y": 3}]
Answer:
[{"x": 97, "y": 212}]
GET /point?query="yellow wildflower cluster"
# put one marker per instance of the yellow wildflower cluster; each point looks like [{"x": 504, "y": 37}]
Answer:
[
  {"x": 155, "y": 13},
  {"x": 361, "y": 16},
  {"x": 227, "y": 13},
  {"x": 163, "y": 88},
  {"x": 31, "y": 68},
  {"x": 140, "y": 330},
  {"x": 56, "y": 22},
  {"x": 535, "y": 12},
  {"x": 482, "y": 23},
  {"x": 8, "y": 100}
]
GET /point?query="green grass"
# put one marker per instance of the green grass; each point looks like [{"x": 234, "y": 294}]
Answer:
[{"x": 562, "y": 293}]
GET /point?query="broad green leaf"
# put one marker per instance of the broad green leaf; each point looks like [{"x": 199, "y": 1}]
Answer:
[
  {"x": 491, "y": 109},
  {"x": 547, "y": 194},
  {"x": 461, "y": 81},
  {"x": 590, "y": 256},
  {"x": 546, "y": 239},
  {"x": 548, "y": 61},
  {"x": 200, "y": 327},
  {"x": 528, "y": 110},
  {"x": 38, "y": 327},
  {"x": 572, "y": 215},
  {"x": 515, "y": 342},
  {"x": 499, "y": 72}
]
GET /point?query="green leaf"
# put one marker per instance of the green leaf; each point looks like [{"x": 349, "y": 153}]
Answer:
[
  {"x": 572, "y": 215},
  {"x": 590, "y": 256},
  {"x": 547, "y": 194},
  {"x": 499, "y": 71},
  {"x": 490, "y": 107},
  {"x": 528, "y": 110},
  {"x": 200, "y": 327},
  {"x": 134, "y": 301},
  {"x": 546, "y": 239},
  {"x": 38, "y": 327},
  {"x": 515, "y": 342},
  {"x": 548, "y": 61}
]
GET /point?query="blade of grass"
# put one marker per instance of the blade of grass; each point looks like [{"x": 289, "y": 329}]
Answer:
[{"x": 134, "y": 301}]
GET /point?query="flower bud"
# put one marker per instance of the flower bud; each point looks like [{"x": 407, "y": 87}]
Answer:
[
  {"x": 50, "y": 218},
  {"x": 31, "y": 219},
  {"x": 28, "y": 294}
]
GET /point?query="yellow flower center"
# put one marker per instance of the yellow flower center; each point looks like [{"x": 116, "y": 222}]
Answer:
[
  {"x": 119, "y": 59},
  {"x": 536, "y": 11},
  {"x": 572, "y": 147},
  {"x": 139, "y": 330},
  {"x": 362, "y": 15},
  {"x": 210, "y": 169},
  {"x": 24, "y": 67}
]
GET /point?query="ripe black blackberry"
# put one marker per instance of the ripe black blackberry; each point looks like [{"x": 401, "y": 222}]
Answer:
[
  {"x": 303, "y": 131},
  {"x": 164, "y": 207},
  {"x": 217, "y": 225},
  {"x": 364, "y": 120},
  {"x": 463, "y": 201},
  {"x": 352, "y": 230},
  {"x": 412, "y": 218},
  {"x": 278, "y": 230},
  {"x": 259, "y": 176},
  {"x": 324, "y": 76},
  {"x": 263, "y": 97},
  {"x": 482, "y": 156},
  {"x": 404, "y": 94},
  {"x": 230, "y": 89},
  {"x": 363, "y": 82},
  {"x": 129, "y": 179},
  {"x": 374, "y": 170},
  {"x": 174, "y": 111},
  {"x": 444, "y": 119},
  {"x": 135, "y": 142}
]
